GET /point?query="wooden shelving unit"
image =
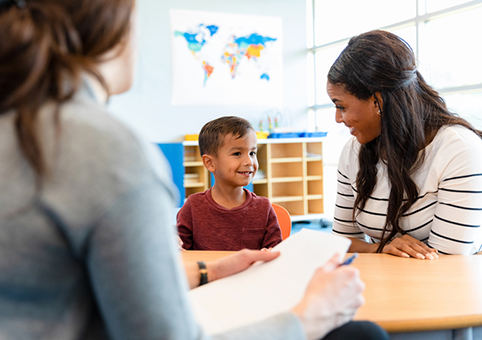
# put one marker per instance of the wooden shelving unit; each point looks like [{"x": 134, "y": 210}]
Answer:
[
  {"x": 196, "y": 177},
  {"x": 293, "y": 169}
]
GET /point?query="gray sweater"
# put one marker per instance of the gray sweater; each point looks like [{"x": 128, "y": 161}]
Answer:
[{"x": 91, "y": 253}]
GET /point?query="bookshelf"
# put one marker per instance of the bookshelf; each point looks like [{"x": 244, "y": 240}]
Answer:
[{"x": 290, "y": 174}]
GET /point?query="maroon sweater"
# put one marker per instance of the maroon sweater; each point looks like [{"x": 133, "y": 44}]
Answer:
[{"x": 205, "y": 225}]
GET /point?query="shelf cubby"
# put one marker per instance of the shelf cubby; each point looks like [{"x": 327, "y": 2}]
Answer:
[{"x": 292, "y": 168}]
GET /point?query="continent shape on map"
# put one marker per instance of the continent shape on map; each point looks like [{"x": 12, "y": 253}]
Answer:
[
  {"x": 196, "y": 39},
  {"x": 249, "y": 47}
]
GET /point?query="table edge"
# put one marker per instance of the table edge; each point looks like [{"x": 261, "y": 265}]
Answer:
[
  {"x": 430, "y": 324},
  {"x": 402, "y": 326}
]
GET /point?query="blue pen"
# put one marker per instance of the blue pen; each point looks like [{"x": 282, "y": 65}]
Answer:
[{"x": 349, "y": 260}]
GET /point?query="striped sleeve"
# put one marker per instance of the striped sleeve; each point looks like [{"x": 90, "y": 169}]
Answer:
[
  {"x": 456, "y": 227},
  {"x": 343, "y": 223}
]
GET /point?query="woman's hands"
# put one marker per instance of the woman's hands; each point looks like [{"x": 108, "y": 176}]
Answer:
[
  {"x": 331, "y": 299},
  {"x": 407, "y": 246},
  {"x": 404, "y": 246},
  {"x": 228, "y": 265},
  {"x": 237, "y": 262}
]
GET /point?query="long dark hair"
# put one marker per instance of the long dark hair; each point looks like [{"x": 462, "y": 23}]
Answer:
[
  {"x": 379, "y": 63},
  {"x": 45, "y": 47}
]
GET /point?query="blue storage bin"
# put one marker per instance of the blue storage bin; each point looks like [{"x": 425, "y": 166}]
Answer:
[
  {"x": 313, "y": 134},
  {"x": 296, "y": 134},
  {"x": 284, "y": 135}
]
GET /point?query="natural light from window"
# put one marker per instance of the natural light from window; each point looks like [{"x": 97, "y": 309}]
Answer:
[{"x": 445, "y": 37}]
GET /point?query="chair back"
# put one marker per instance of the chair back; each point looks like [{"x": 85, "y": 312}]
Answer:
[{"x": 284, "y": 220}]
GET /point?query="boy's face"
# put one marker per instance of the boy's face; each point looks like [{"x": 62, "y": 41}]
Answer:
[{"x": 236, "y": 163}]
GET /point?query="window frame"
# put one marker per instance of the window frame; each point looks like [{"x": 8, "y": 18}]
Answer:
[{"x": 419, "y": 21}]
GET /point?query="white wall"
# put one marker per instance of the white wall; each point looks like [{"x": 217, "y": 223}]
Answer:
[{"x": 147, "y": 106}]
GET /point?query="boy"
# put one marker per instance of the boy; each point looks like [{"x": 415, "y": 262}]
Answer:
[{"x": 227, "y": 216}]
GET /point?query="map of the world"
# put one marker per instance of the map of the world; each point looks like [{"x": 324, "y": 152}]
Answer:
[
  {"x": 223, "y": 59},
  {"x": 236, "y": 51}
]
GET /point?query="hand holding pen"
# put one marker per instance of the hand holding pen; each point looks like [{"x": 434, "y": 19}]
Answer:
[
  {"x": 349, "y": 260},
  {"x": 332, "y": 298}
]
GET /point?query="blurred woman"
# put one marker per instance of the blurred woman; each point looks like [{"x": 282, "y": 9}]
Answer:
[{"x": 86, "y": 247}]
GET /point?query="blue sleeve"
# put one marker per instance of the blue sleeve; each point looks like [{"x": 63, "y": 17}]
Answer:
[{"x": 134, "y": 264}]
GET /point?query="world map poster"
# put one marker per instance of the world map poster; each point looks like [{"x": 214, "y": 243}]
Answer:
[{"x": 226, "y": 59}]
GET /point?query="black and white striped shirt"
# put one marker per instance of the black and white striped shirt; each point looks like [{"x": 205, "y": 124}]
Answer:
[{"x": 448, "y": 213}]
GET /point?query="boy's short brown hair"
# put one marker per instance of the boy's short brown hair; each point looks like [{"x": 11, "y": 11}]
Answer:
[{"x": 212, "y": 134}]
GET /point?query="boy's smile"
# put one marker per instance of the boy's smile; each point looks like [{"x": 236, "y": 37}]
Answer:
[
  {"x": 246, "y": 173},
  {"x": 236, "y": 163}
]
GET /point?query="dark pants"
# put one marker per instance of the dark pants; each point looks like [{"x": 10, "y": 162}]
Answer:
[{"x": 358, "y": 330}]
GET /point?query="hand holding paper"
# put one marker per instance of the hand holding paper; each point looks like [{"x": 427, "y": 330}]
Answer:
[
  {"x": 331, "y": 299},
  {"x": 266, "y": 289},
  {"x": 239, "y": 261}
]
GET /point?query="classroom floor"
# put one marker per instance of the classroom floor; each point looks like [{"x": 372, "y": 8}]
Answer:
[{"x": 322, "y": 225}]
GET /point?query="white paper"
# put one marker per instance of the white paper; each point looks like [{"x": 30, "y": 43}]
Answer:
[{"x": 266, "y": 289}]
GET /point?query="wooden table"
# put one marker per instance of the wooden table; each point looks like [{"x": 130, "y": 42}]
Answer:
[{"x": 409, "y": 295}]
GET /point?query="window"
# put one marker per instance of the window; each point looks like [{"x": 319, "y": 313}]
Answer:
[{"x": 444, "y": 35}]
